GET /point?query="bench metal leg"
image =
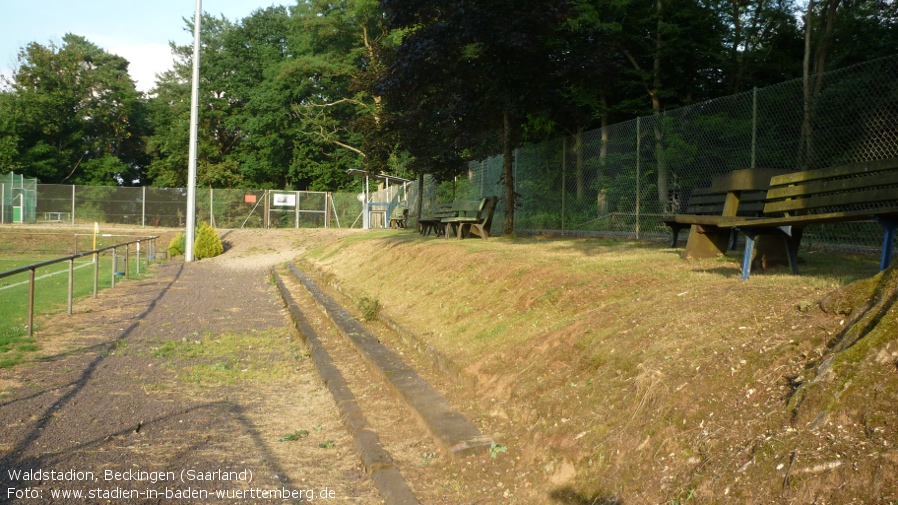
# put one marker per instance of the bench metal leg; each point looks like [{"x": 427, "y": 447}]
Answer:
[
  {"x": 791, "y": 236},
  {"x": 793, "y": 240},
  {"x": 675, "y": 231},
  {"x": 888, "y": 240},
  {"x": 746, "y": 257}
]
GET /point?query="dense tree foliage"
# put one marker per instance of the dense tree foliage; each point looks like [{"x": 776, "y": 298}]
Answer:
[
  {"x": 292, "y": 97},
  {"x": 72, "y": 114}
]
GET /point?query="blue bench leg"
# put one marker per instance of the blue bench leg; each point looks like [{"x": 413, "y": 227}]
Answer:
[
  {"x": 676, "y": 234},
  {"x": 792, "y": 243},
  {"x": 735, "y": 239},
  {"x": 888, "y": 241},
  {"x": 746, "y": 258}
]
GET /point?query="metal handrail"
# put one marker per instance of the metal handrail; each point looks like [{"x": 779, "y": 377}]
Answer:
[{"x": 31, "y": 269}]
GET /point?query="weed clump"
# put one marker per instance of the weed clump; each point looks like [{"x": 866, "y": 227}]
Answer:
[
  {"x": 369, "y": 307},
  {"x": 207, "y": 243}
]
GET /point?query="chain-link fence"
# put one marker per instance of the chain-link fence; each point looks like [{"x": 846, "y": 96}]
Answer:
[
  {"x": 625, "y": 178},
  {"x": 166, "y": 207}
]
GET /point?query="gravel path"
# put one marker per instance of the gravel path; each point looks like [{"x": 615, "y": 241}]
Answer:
[{"x": 179, "y": 386}]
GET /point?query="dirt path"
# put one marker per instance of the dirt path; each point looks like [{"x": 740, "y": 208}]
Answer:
[{"x": 178, "y": 386}]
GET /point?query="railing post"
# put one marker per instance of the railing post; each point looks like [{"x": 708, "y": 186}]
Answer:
[
  {"x": 114, "y": 261},
  {"x": 71, "y": 282},
  {"x": 96, "y": 273},
  {"x": 138, "y": 258},
  {"x": 31, "y": 302},
  {"x": 127, "y": 264}
]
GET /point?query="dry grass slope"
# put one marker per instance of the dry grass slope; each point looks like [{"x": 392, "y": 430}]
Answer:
[{"x": 615, "y": 372}]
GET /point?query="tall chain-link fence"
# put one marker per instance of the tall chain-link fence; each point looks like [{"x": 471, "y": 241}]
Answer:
[
  {"x": 621, "y": 180},
  {"x": 624, "y": 179},
  {"x": 167, "y": 207}
]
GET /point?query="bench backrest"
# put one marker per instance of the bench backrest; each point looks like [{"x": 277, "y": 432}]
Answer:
[
  {"x": 469, "y": 208},
  {"x": 705, "y": 201},
  {"x": 488, "y": 211},
  {"x": 736, "y": 193},
  {"x": 848, "y": 187}
]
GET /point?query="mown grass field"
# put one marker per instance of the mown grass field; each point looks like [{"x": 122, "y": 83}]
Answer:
[{"x": 51, "y": 284}]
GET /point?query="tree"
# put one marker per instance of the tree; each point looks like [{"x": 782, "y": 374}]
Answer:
[
  {"x": 476, "y": 67},
  {"x": 74, "y": 115}
]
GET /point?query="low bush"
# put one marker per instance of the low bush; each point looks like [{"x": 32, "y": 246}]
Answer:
[
  {"x": 176, "y": 246},
  {"x": 207, "y": 243}
]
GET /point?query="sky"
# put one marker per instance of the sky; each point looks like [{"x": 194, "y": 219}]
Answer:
[{"x": 138, "y": 30}]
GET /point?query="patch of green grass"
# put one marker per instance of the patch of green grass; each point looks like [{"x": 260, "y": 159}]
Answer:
[
  {"x": 14, "y": 345},
  {"x": 51, "y": 286},
  {"x": 229, "y": 358}
]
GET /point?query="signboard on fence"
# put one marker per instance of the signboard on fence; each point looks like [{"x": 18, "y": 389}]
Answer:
[
  {"x": 283, "y": 200},
  {"x": 249, "y": 198}
]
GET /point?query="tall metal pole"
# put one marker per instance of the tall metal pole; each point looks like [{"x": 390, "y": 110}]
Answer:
[{"x": 194, "y": 122}]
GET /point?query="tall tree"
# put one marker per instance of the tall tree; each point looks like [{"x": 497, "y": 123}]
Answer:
[
  {"x": 79, "y": 116},
  {"x": 486, "y": 65}
]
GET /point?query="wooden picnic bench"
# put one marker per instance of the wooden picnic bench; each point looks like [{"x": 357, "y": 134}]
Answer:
[
  {"x": 866, "y": 191},
  {"x": 477, "y": 222},
  {"x": 730, "y": 196},
  {"x": 432, "y": 221}
]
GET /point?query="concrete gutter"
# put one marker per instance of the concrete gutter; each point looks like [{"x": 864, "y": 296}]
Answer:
[
  {"x": 452, "y": 431},
  {"x": 377, "y": 461}
]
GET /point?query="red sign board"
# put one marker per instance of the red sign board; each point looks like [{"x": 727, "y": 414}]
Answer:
[{"x": 249, "y": 198}]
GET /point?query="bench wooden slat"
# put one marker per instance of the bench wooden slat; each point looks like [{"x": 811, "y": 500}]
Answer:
[
  {"x": 821, "y": 202},
  {"x": 832, "y": 186},
  {"x": 863, "y": 167}
]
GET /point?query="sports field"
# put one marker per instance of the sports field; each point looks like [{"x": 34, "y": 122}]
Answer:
[{"x": 51, "y": 283}]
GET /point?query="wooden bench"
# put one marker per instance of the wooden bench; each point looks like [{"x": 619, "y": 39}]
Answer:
[
  {"x": 432, "y": 221},
  {"x": 866, "y": 191},
  {"x": 462, "y": 211},
  {"x": 478, "y": 224},
  {"x": 731, "y": 196},
  {"x": 399, "y": 219}
]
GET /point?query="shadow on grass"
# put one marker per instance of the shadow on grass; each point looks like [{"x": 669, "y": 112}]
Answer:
[{"x": 568, "y": 496}]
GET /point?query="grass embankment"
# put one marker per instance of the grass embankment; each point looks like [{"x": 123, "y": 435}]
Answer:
[{"x": 615, "y": 370}]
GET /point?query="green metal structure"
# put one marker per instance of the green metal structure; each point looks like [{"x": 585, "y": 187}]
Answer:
[{"x": 18, "y": 199}]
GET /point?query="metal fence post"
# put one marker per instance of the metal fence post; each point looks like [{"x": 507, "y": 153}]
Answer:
[
  {"x": 754, "y": 127},
  {"x": 638, "y": 168},
  {"x": 96, "y": 273},
  {"x": 563, "y": 180},
  {"x": 114, "y": 261},
  {"x": 31, "y": 302},
  {"x": 143, "y": 208},
  {"x": 2, "y": 203},
  {"x": 73, "y": 205},
  {"x": 127, "y": 264},
  {"x": 71, "y": 282}
]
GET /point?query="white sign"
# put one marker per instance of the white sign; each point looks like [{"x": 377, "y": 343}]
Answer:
[{"x": 283, "y": 200}]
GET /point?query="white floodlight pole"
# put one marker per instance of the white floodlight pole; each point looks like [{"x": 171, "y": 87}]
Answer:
[{"x": 194, "y": 126}]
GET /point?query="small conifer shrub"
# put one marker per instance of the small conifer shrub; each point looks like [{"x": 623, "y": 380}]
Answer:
[
  {"x": 176, "y": 246},
  {"x": 207, "y": 243}
]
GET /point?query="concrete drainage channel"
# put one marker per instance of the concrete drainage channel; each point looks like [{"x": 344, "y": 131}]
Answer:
[{"x": 454, "y": 434}]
